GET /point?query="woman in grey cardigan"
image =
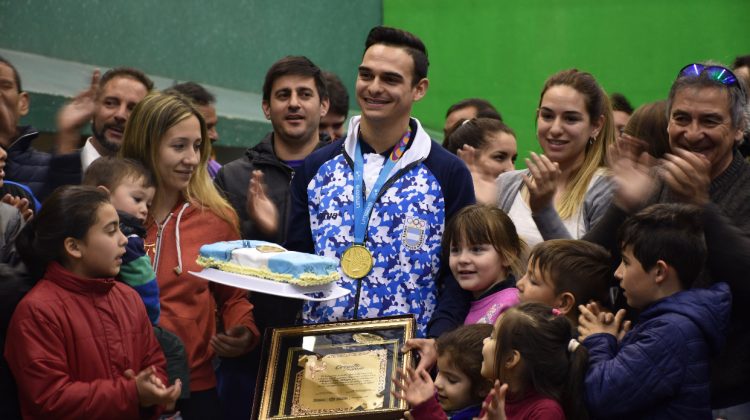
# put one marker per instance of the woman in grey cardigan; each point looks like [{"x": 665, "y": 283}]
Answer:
[{"x": 567, "y": 189}]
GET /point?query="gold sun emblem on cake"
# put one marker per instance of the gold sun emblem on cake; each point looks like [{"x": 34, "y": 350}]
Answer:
[{"x": 269, "y": 249}]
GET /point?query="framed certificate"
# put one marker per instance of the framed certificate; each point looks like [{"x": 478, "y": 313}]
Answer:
[{"x": 337, "y": 370}]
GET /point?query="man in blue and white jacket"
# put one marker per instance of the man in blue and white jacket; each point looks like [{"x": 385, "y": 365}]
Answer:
[{"x": 401, "y": 213}]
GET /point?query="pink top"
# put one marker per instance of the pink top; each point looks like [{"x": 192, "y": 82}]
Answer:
[{"x": 487, "y": 309}]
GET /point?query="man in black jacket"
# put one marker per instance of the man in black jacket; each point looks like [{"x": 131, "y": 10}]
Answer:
[{"x": 257, "y": 185}]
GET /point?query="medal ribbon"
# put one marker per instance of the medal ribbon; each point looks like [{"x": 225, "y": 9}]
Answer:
[{"x": 362, "y": 211}]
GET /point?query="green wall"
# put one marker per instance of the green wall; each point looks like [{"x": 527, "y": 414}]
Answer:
[
  {"x": 229, "y": 44},
  {"x": 504, "y": 50}
]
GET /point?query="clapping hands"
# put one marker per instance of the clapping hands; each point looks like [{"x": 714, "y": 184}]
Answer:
[{"x": 594, "y": 320}]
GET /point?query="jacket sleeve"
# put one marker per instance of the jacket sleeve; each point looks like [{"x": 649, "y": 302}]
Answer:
[
  {"x": 645, "y": 370},
  {"x": 728, "y": 253},
  {"x": 453, "y": 302},
  {"x": 137, "y": 272},
  {"x": 299, "y": 234},
  {"x": 595, "y": 204},
  {"x": 35, "y": 353}
]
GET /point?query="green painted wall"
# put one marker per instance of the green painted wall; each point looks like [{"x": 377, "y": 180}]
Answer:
[
  {"x": 225, "y": 43},
  {"x": 504, "y": 50}
]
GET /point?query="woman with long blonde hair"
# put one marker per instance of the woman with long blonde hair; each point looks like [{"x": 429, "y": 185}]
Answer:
[
  {"x": 168, "y": 134},
  {"x": 565, "y": 190}
]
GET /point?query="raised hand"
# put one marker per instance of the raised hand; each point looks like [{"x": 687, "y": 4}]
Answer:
[
  {"x": 414, "y": 387},
  {"x": 633, "y": 172},
  {"x": 688, "y": 176},
  {"x": 74, "y": 115},
  {"x": 426, "y": 349},
  {"x": 485, "y": 189},
  {"x": 542, "y": 184},
  {"x": 495, "y": 408},
  {"x": 261, "y": 210},
  {"x": 235, "y": 342}
]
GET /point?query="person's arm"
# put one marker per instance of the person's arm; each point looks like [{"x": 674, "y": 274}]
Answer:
[
  {"x": 648, "y": 368},
  {"x": 453, "y": 302},
  {"x": 137, "y": 272},
  {"x": 299, "y": 234},
  {"x": 728, "y": 252}
]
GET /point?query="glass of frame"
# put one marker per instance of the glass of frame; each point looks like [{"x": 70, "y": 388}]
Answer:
[{"x": 338, "y": 370}]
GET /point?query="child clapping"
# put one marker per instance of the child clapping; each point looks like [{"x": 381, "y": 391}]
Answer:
[{"x": 459, "y": 387}]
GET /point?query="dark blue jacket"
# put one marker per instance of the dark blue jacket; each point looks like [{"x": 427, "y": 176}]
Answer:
[
  {"x": 661, "y": 369},
  {"x": 40, "y": 171}
]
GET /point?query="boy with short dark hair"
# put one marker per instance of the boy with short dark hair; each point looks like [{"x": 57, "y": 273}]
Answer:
[{"x": 660, "y": 369}]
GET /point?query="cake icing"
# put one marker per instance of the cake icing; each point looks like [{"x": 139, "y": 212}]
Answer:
[{"x": 269, "y": 261}]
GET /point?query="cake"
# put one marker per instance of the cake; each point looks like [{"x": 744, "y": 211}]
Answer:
[{"x": 269, "y": 261}]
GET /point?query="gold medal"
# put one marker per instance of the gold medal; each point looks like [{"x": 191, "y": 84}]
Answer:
[{"x": 356, "y": 261}]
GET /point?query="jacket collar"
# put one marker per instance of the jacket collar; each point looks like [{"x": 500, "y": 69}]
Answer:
[
  {"x": 264, "y": 151},
  {"x": 26, "y": 135},
  {"x": 417, "y": 151},
  {"x": 69, "y": 281}
]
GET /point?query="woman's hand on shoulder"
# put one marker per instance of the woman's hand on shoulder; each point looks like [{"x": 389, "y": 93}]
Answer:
[{"x": 542, "y": 184}]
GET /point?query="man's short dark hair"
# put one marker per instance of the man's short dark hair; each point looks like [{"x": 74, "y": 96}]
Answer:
[
  {"x": 484, "y": 108},
  {"x": 126, "y": 72},
  {"x": 197, "y": 93},
  {"x": 294, "y": 66},
  {"x": 337, "y": 95},
  {"x": 399, "y": 38},
  {"x": 741, "y": 61},
  {"x": 112, "y": 171},
  {"x": 16, "y": 76},
  {"x": 620, "y": 103},
  {"x": 672, "y": 233}
]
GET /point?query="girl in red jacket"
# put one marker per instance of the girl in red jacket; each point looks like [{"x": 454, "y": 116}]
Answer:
[
  {"x": 77, "y": 338},
  {"x": 168, "y": 134}
]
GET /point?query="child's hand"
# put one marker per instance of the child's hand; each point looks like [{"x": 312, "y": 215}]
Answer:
[
  {"x": 495, "y": 409},
  {"x": 414, "y": 387},
  {"x": 426, "y": 349},
  {"x": 593, "y": 321},
  {"x": 235, "y": 342},
  {"x": 151, "y": 390}
]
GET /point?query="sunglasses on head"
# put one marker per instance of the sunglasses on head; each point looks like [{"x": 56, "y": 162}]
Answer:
[{"x": 717, "y": 73}]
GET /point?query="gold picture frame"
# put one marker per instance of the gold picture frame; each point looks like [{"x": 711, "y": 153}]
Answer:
[{"x": 339, "y": 370}]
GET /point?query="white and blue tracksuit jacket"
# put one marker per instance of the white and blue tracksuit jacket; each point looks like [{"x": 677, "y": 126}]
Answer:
[{"x": 410, "y": 276}]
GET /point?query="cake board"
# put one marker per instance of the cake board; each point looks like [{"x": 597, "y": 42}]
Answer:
[{"x": 317, "y": 293}]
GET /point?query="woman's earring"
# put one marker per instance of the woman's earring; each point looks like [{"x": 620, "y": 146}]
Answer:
[{"x": 591, "y": 140}]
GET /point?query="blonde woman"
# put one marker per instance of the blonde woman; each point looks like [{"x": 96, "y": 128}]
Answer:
[
  {"x": 169, "y": 136},
  {"x": 565, "y": 190}
]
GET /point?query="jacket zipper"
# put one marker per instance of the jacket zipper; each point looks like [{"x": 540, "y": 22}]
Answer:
[
  {"x": 157, "y": 250},
  {"x": 380, "y": 194}
]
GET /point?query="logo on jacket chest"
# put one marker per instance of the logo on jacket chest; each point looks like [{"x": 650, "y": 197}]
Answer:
[
  {"x": 413, "y": 234},
  {"x": 329, "y": 215}
]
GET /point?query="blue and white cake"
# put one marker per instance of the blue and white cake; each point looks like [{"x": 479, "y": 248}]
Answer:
[{"x": 269, "y": 261}]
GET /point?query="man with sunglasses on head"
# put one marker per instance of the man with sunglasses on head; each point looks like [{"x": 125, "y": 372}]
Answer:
[{"x": 707, "y": 111}]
